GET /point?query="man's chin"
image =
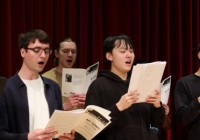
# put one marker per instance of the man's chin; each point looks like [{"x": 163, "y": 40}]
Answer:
[
  {"x": 69, "y": 66},
  {"x": 40, "y": 70}
]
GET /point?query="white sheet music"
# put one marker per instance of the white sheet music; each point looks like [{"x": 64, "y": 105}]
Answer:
[
  {"x": 146, "y": 77},
  {"x": 165, "y": 90},
  {"x": 76, "y": 80}
]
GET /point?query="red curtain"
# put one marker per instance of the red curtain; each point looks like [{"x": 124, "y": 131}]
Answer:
[{"x": 162, "y": 30}]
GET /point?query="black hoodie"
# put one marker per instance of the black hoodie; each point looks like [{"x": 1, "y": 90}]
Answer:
[{"x": 130, "y": 124}]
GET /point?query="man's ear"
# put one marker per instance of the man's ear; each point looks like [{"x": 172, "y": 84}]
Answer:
[
  {"x": 56, "y": 53},
  {"x": 199, "y": 55},
  {"x": 23, "y": 52},
  {"x": 109, "y": 56}
]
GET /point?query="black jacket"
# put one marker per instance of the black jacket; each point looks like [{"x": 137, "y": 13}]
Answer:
[{"x": 132, "y": 123}]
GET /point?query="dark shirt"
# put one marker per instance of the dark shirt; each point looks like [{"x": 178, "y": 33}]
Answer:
[
  {"x": 187, "y": 106},
  {"x": 155, "y": 133}
]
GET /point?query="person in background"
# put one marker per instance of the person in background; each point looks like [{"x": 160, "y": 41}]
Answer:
[
  {"x": 156, "y": 133},
  {"x": 28, "y": 99},
  {"x": 130, "y": 120},
  {"x": 65, "y": 57},
  {"x": 187, "y": 102}
]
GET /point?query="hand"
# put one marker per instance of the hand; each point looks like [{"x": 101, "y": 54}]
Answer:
[
  {"x": 67, "y": 136},
  {"x": 71, "y": 102},
  {"x": 42, "y": 134},
  {"x": 154, "y": 99},
  {"x": 127, "y": 100},
  {"x": 199, "y": 99},
  {"x": 166, "y": 107},
  {"x": 81, "y": 99}
]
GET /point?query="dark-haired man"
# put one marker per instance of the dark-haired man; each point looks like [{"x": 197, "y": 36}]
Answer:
[
  {"x": 28, "y": 99},
  {"x": 130, "y": 120},
  {"x": 187, "y": 102}
]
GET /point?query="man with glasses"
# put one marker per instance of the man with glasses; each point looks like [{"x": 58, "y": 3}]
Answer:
[
  {"x": 28, "y": 99},
  {"x": 65, "y": 57}
]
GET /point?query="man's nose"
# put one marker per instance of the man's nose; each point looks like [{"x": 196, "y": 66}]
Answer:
[
  {"x": 70, "y": 53},
  {"x": 42, "y": 53}
]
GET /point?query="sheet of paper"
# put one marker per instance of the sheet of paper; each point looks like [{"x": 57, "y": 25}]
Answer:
[
  {"x": 73, "y": 81},
  {"x": 148, "y": 77},
  {"x": 88, "y": 122},
  {"x": 135, "y": 77},
  {"x": 91, "y": 123},
  {"x": 91, "y": 75},
  {"x": 165, "y": 90},
  {"x": 63, "y": 121}
]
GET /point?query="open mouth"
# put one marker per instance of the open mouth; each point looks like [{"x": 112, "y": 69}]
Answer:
[
  {"x": 69, "y": 61},
  {"x": 41, "y": 63},
  {"x": 128, "y": 62}
]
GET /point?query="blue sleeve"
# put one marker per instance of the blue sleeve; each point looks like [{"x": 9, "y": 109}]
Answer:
[{"x": 4, "y": 123}]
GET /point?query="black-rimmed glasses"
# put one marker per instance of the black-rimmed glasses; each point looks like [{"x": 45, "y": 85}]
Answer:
[{"x": 38, "y": 50}]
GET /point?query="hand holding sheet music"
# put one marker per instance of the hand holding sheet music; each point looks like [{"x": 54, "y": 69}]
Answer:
[
  {"x": 146, "y": 78},
  {"x": 88, "y": 122}
]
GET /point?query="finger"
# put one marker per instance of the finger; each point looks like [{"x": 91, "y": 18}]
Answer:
[
  {"x": 82, "y": 103},
  {"x": 63, "y": 138},
  {"x": 134, "y": 100},
  {"x": 67, "y": 135},
  {"x": 81, "y": 99},
  {"x": 75, "y": 103},
  {"x": 152, "y": 99},
  {"x": 73, "y": 132},
  {"x": 157, "y": 91},
  {"x": 132, "y": 92},
  {"x": 130, "y": 101},
  {"x": 135, "y": 95},
  {"x": 48, "y": 129},
  {"x": 74, "y": 96},
  {"x": 153, "y": 96},
  {"x": 82, "y": 95},
  {"x": 48, "y": 135},
  {"x": 72, "y": 100}
]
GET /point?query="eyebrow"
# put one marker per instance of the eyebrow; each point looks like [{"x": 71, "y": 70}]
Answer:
[
  {"x": 70, "y": 49},
  {"x": 41, "y": 47}
]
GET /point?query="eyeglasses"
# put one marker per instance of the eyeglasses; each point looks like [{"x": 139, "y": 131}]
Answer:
[{"x": 38, "y": 50}]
